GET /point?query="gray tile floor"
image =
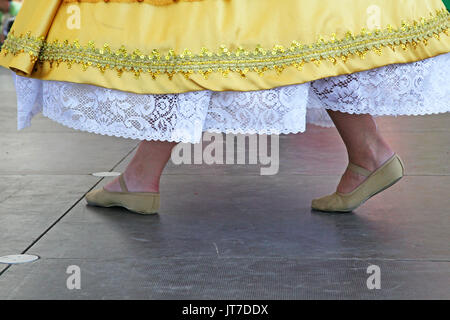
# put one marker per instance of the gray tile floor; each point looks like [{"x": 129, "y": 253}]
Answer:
[{"x": 224, "y": 231}]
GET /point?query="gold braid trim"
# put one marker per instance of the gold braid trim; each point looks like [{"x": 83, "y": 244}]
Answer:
[
  {"x": 153, "y": 2},
  {"x": 225, "y": 60}
]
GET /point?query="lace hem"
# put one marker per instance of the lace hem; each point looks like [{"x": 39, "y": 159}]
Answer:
[{"x": 417, "y": 88}]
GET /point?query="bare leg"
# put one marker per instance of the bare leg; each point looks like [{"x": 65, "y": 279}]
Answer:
[
  {"x": 365, "y": 146},
  {"x": 144, "y": 170}
]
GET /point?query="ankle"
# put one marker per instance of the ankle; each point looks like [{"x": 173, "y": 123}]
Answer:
[
  {"x": 372, "y": 155},
  {"x": 140, "y": 182}
]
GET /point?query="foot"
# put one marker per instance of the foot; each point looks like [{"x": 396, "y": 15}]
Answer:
[
  {"x": 386, "y": 176},
  {"x": 137, "y": 183},
  {"x": 371, "y": 161}
]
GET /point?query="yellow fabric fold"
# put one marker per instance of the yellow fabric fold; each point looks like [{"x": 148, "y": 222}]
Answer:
[
  {"x": 220, "y": 45},
  {"x": 152, "y": 2},
  {"x": 35, "y": 17}
]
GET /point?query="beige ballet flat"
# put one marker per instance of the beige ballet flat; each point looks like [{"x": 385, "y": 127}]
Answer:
[
  {"x": 382, "y": 178},
  {"x": 139, "y": 202}
]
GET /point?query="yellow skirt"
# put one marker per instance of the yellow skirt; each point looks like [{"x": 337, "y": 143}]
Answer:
[{"x": 169, "y": 46}]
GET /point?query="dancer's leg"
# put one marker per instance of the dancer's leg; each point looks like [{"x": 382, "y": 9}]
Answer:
[
  {"x": 365, "y": 146},
  {"x": 144, "y": 170}
]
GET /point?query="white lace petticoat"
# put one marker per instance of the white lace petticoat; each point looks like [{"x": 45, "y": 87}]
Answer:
[{"x": 417, "y": 88}]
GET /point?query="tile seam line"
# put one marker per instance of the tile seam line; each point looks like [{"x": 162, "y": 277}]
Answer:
[
  {"x": 259, "y": 257},
  {"x": 67, "y": 211}
]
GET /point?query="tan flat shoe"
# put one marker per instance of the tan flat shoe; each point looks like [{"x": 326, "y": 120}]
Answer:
[
  {"x": 382, "y": 178},
  {"x": 139, "y": 202}
]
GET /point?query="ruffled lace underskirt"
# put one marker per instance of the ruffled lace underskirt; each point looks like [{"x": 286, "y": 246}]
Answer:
[{"x": 417, "y": 88}]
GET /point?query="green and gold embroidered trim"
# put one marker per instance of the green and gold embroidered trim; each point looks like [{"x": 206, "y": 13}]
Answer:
[{"x": 225, "y": 60}]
